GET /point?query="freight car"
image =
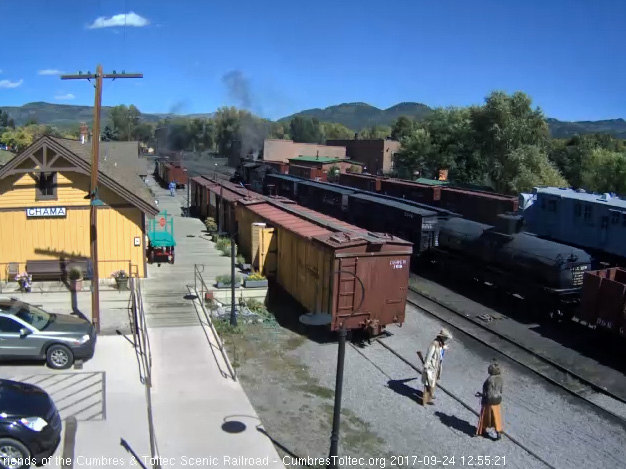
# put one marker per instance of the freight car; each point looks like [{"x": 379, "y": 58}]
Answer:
[
  {"x": 480, "y": 206},
  {"x": 408, "y": 222},
  {"x": 603, "y": 302},
  {"x": 308, "y": 172},
  {"x": 167, "y": 172},
  {"x": 325, "y": 198},
  {"x": 547, "y": 274},
  {"x": 322, "y": 267},
  {"x": 423, "y": 193},
  {"x": 360, "y": 181}
]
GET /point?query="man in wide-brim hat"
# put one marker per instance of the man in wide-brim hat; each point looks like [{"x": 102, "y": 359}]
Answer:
[{"x": 433, "y": 365}]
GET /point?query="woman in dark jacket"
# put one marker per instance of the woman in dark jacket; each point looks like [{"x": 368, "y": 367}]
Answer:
[{"x": 491, "y": 402}]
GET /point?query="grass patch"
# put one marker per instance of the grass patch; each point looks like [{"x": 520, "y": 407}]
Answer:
[{"x": 317, "y": 390}]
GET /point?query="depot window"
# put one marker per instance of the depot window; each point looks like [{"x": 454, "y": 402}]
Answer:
[
  {"x": 46, "y": 186},
  {"x": 577, "y": 209},
  {"x": 588, "y": 212}
]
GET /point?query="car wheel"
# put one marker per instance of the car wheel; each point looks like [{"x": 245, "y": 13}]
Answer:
[
  {"x": 59, "y": 357},
  {"x": 13, "y": 454}
]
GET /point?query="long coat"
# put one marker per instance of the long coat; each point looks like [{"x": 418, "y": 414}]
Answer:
[{"x": 432, "y": 364}]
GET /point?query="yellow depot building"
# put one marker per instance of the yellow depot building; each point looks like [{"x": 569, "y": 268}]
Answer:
[{"x": 44, "y": 211}]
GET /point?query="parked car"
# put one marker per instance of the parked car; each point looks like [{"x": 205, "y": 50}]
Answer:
[
  {"x": 27, "y": 332},
  {"x": 30, "y": 425}
]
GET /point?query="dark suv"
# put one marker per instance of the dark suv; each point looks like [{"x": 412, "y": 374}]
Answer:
[
  {"x": 30, "y": 425},
  {"x": 29, "y": 332}
]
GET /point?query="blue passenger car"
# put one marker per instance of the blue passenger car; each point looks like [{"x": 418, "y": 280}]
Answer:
[{"x": 594, "y": 222}]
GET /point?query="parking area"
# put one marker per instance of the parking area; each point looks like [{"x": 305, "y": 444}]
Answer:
[{"x": 107, "y": 400}]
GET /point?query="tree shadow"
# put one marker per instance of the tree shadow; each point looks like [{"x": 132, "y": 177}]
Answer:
[
  {"x": 399, "y": 386},
  {"x": 458, "y": 424}
]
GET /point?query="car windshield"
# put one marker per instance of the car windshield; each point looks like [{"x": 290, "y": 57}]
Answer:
[{"x": 32, "y": 315}]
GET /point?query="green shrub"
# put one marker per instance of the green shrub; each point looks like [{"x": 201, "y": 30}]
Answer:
[
  {"x": 227, "y": 279},
  {"x": 211, "y": 225},
  {"x": 240, "y": 259}
]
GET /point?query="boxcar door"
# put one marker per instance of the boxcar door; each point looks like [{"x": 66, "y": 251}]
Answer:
[{"x": 267, "y": 251}]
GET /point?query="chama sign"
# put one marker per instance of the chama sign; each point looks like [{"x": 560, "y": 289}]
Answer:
[{"x": 46, "y": 212}]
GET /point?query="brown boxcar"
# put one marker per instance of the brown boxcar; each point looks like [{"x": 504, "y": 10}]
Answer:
[
  {"x": 223, "y": 198},
  {"x": 422, "y": 193},
  {"x": 360, "y": 181},
  {"x": 603, "y": 301},
  {"x": 307, "y": 172},
  {"x": 317, "y": 264},
  {"x": 483, "y": 207},
  {"x": 176, "y": 172},
  {"x": 199, "y": 196}
]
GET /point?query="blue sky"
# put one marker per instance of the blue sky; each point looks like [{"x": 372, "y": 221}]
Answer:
[{"x": 568, "y": 55}]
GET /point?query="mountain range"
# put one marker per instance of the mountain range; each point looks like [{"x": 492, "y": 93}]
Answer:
[
  {"x": 355, "y": 116},
  {"x": 67, "y": 115}
]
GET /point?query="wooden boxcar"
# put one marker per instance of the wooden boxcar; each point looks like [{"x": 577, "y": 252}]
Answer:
[
  {"x": 308, "y": 172},
  {"x": 603, "y": 301},
  {"x": 423, "y": 193},
  {"x": 360, "y": 181},
  {"x": 321, "y": 267},
  {"x": 479, "y": 206},
  {"x": 199, "y": 196},
  {"x": 175, "y": 171}
]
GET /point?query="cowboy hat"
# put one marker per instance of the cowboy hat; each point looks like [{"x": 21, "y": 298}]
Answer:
[{"x": 445, "y": 333}]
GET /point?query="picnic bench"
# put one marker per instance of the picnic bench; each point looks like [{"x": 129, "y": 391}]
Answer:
[{"x": 57, "y": 269}]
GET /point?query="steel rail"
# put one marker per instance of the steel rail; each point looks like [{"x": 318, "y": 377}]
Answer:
[
  {"x": 459, "y": 400},
  {"x": 525, "y": 349}
]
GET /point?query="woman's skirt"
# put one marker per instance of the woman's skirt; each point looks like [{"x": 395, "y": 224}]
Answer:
[{"x": 490, "y": 417}]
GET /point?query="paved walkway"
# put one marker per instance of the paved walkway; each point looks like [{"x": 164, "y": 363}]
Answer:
[{"x": 197, "y": 410}]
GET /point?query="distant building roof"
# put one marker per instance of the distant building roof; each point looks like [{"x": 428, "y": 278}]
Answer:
[
  {"x": 606, "y": 199},
  {"x": 317, "y": 159}
]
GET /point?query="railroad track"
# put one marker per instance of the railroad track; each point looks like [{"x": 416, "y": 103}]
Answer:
[
  {"x": 441, "y": 388},
  {"x": 552, "y": 372},
  {"x": 537, "y": 363}
]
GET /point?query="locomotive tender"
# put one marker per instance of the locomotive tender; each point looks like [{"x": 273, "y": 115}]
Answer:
[{"x": 546, "y": 273}]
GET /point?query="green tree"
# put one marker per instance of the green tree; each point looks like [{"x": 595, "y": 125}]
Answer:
[
  {"x": 306, "y": 130},
  {"x": 109, "y": 134},
  {"x": 124, "y": 120},
  {"x": 402, "y": 128},
  {"x": 18, "y": 139},
  {"x": 375, "y": 132},
  {"x": 526, "y": 167},
  {"x": 416, "y": 154},
  {"x": 504, "y": 124},
  {"x": 605, "y": 171},
  {"x": 335, "y": 131}
]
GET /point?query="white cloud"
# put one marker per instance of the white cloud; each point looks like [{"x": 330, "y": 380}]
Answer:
[
  {"x": 50, "y": 71},
  {"x": 128, "y": 19},
  {"x": 10, "y": 84},
  {"x": 64, "y": 97}
]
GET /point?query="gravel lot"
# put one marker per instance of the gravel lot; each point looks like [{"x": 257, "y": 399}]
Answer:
[{"x": 290, "y": 378}]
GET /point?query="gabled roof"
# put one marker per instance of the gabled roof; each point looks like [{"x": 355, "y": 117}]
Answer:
[{"x": 115, "y": 177}]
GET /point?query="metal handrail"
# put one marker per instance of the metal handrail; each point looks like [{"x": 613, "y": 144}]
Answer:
[
  {"x": 143, "y": 350},
  {"x": 204, "y": 289}
]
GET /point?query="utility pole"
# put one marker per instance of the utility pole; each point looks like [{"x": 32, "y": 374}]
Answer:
[{"x": 95, "y": 201}]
